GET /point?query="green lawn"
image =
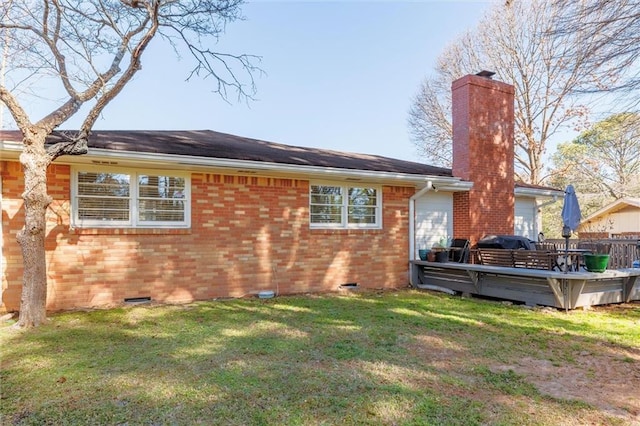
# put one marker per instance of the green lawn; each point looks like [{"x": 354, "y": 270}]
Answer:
[{"x": 379, "y": 358}]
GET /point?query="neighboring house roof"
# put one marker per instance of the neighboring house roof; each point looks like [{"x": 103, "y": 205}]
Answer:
[
  {"x": 613, "y": 207},
  {"x": 216, "y": 145}
]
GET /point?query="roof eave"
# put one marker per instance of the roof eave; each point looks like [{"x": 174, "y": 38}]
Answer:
[
  {"x": 611, "y": 208},
  {"x": 196, "y": 163},
  {"x": 538, "y": 192}
]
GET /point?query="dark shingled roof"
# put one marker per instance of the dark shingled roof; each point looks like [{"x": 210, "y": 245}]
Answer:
[{"x": 210, "y": 144}]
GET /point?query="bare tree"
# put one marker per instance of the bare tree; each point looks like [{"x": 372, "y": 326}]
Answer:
[
  {"x": 512, "y": 40},
  {"x": 614, "y": 48},
  {"x": 430, "y": 122},
  {"x": 92, "y": 49}
]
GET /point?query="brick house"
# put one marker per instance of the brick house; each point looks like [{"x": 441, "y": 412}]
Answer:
[{"x": 177, "y": 216}]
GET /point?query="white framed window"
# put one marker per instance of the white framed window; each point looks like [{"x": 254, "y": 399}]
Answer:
[
  {"x": 334, "y": 205},
  {"x": 114, "y": 198}
]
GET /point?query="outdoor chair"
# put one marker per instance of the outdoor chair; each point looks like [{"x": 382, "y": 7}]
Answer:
[
  {"x": 546, "y": 246},
  {"x": 558, "y": 263},
  {"x": 460, "y": 252}
]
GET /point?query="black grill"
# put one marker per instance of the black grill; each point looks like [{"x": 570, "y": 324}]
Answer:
[{"x": 508, "y": 242}]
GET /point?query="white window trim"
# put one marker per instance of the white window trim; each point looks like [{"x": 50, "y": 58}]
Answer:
[
  {"x": 133, "y": 221},
  {"x": 345, "y": 222}
]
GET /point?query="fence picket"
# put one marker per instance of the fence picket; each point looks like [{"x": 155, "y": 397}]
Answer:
[{"x": 623, "y": 251}]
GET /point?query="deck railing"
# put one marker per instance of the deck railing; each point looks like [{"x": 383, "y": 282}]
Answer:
[{"x": 623, "y": 251}]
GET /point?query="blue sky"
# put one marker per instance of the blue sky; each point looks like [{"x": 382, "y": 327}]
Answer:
[{"x": 338, "y": 75}]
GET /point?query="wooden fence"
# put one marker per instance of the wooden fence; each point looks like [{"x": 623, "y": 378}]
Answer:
[{"x": 623, "y": 251}]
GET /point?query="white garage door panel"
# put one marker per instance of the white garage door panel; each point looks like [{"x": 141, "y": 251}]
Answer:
[{"x": 434, "y": 218}]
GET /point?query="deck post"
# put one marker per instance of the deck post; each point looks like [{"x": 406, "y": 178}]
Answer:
[
  {"x": 629, "y": 283},
  {"x": 557, "y": 289}
]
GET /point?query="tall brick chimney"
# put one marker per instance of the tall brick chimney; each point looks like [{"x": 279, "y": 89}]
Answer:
[{"x": 483, "y": 152}]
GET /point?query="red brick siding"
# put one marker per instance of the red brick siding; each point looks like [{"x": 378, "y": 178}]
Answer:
[
  {"x": 461, "y": 220},
  {"x": 483, "y": 151},
  {"x": 248, "y": 234}
]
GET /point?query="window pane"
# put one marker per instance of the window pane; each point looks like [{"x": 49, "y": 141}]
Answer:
[
  {"x": 161, "y": 198},
  {"x": 326, "y": 214},
  {"x": 161, "y": 210},
  {"x": 103, "y": 209},
  {"x": 362, "y": 197},
  {"x": 103, "y": 196},
  {"x": 327, "y": 193},
  {"x": 326, "y": 199},
  {"x": 326, "y": 204},
  {"x": 103, "y": 184},
  {"x": 161, "y": 186},
  {"x": 363, "y": 204},
  {"x": 366, "y": 215}
]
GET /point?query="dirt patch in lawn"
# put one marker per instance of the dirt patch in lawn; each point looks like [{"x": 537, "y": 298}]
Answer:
[
  {"x": 605, "y": 381},
  {"x": 603, "y": 376}
]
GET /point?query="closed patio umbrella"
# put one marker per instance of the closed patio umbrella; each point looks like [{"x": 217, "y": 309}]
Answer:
[{"x": 571, "y": 216}]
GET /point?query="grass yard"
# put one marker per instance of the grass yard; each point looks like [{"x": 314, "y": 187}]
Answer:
[{"x": 374, "y": 358}]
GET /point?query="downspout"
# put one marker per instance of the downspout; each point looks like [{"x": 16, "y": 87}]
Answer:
[
  {"x": 412, "y": 219},
  {"x": 537, "y": 212},
  {"x": 412, "y": 237},
  {"x": 555, "y": 198}
]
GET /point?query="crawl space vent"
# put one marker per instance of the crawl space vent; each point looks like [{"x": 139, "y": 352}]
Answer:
[{"x": 137, "y": 300}]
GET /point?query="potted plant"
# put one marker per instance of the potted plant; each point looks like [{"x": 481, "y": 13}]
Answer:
[
  {"x": 423, "y": 251},
  {"x": 597, "y": 259},
  {"x": 441, "y": 249}
]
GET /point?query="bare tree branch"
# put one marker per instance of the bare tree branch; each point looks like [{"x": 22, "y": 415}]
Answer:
[
  {"x": 72, "y": 39},
  {"x": 134, "y": 66},
  {"x": 90, "y": 50},
  {"x": 16, "y": 110},
  {"x": 613, "y": 49},
  {"x": 514, "y": 42}
]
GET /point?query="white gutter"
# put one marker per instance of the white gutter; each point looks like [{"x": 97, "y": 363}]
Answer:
[
  {"x": 141, "y": 159},
  {"x": 459, "y": 186},
  {"x": 546, "y": 203},
  {"x": 539, "y": 192},
  {"x": 412, "y": 220}
]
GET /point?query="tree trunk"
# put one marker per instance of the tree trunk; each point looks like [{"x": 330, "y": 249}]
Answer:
[{"x": 34, "y": 160}]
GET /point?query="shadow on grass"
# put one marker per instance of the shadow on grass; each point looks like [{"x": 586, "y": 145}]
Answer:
[{"x": 387, "y": 358}]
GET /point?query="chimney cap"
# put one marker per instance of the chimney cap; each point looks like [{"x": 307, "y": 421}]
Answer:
[{"x": 485, "y": 73}]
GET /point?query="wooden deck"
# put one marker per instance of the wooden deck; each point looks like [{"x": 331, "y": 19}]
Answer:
[{"x": 532, "y": 286}]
